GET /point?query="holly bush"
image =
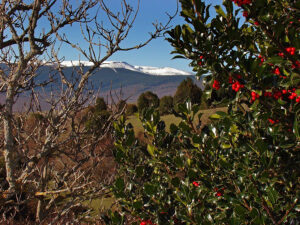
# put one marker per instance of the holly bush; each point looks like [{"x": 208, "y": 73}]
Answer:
[{"x": 243, "y": 167}]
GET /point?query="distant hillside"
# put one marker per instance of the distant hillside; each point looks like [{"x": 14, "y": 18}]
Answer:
[{"x": 115, "y": 75}]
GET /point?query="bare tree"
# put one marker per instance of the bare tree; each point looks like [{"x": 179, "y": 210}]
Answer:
[{"x": 54, "y": 158}]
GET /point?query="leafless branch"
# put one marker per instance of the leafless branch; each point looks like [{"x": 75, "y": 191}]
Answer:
[{"x": 52, "y": 160}]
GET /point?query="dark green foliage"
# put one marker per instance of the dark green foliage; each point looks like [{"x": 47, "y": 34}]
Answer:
[
  {"x": 188, "y": 90},
  {"x": 131, "y": 109},
  {"x": 97, "y": 121},
  {"x": 100, "y": 105},
  {"x": 243, "y": 168},
  {"x": 147, "y": 100},
  {"x": 166, "y": 105},
  {"x": 97, "y": 117}
]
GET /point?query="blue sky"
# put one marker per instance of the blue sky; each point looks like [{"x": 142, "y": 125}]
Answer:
[{"x": 157, "y": 53}]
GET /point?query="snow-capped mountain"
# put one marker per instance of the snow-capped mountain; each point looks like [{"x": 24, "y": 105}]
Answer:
[
  {"x": 161, "y": 70},
  {"x": 167, "y": 71},
  {"x": 76, "y": 63},
  {"x": 116, "y": 77}
]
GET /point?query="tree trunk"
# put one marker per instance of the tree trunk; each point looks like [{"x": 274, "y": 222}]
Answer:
[
  {"x": 40, "y": 210},
  {"x": 9, "y": 147}
]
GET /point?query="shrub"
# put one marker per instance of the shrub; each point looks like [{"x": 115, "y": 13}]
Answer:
[
  {"x": 97, "y": 121},
  {"x": 188, "y": 90},
  {"x": 131, "y": 109},
  {"x": 100, "y": 105},
  {"x": 97, "y": 116},
  {"x": 166, "y": 105},
  {"x": 243, "y": 168},
  {"x": 147, "y": 100}
]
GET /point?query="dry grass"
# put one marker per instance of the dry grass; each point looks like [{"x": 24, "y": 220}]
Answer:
[{"x": 169, "y": 119}]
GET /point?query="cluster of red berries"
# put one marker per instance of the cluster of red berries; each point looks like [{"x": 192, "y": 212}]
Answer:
[
  {"x": 277, "y": 72},
  {"x": 216, "y": 85},
  {"x": 236, "y": 86},
  {"x": 279, "y": 94},
  {"x": 147, "y": 222},
  {"x": 241, "y": 2},
  {"x": 293, "y": 95},
  {"x": 254, "y": 96},
  {"x": 273, "y": 121},
  {"x": 291, "y": 50}
]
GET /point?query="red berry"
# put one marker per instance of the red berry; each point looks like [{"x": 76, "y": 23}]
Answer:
[
  {"x": 281, "y": 54},
  {"x": 297, "y": 65},
  {"x": 146, "y": 222},
  {"x": 238, "y": 76},
  {"x": 241, "y": 2},
  {"x": 268, "y": 94},
  {"x": 271, "y": 121},
  {"x": 216, "y": 85},
  {"x": 196, "y": 184},
  {"x": 277, "y": 71},
  {"x": 218, "y": 194},
  {"x": 277, "y": 95},
  {"x": 262, "y": 59}
]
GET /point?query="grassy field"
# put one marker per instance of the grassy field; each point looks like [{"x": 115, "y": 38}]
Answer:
[{"x": 169, "y": 119}]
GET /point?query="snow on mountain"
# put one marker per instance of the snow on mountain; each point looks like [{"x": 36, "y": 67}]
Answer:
[
  {"x": 76, "y": 63},
  {"x": 145, "y": 69},
  {"x": 161, "y": 71},
  {"x": 123, "y": 65},
  {"x": 115, "y": 65}
]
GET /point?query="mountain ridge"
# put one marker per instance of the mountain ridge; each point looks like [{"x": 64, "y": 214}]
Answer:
[
  {"x": 121, "y": 64},
  {"x": 112, "y": 79}
]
